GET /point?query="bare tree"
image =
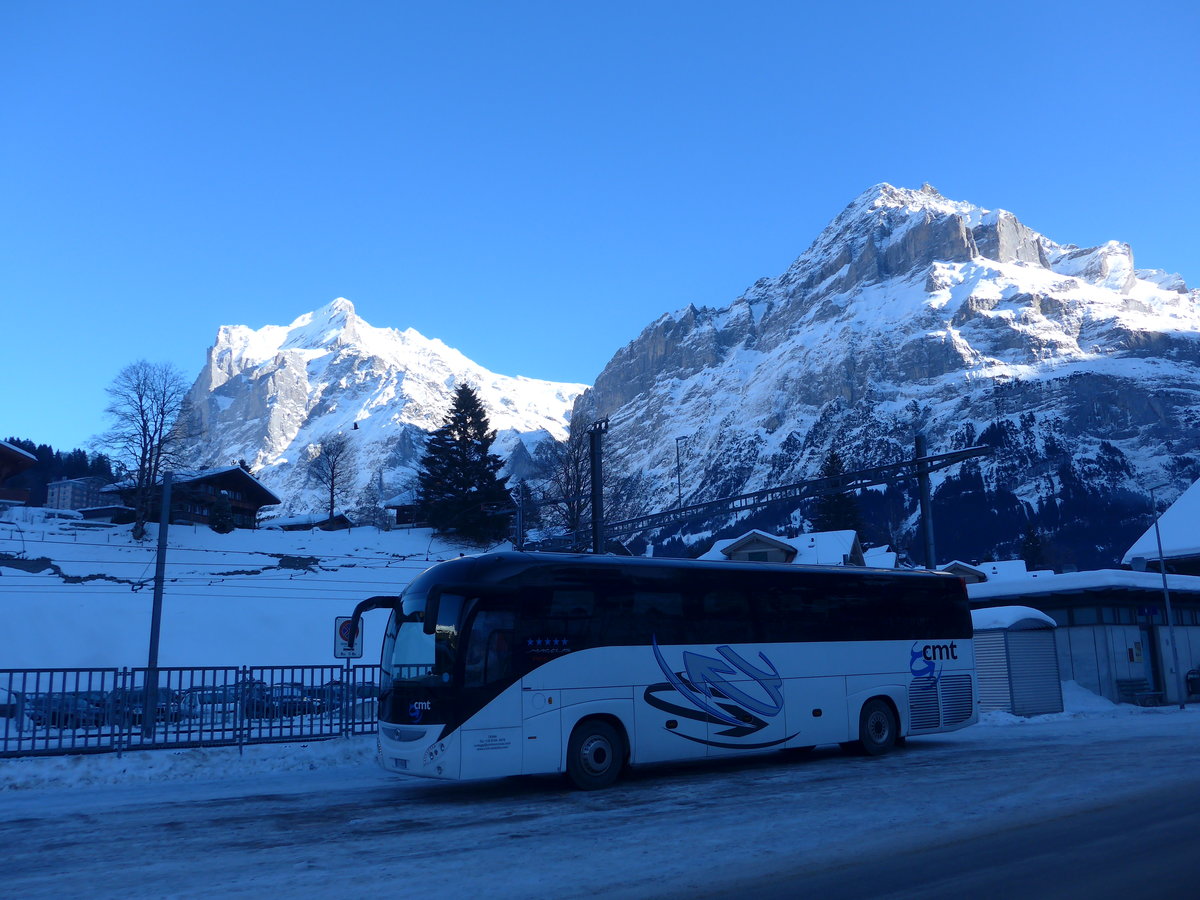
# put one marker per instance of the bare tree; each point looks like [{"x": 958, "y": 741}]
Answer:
[
  {"x": 331, "y": 465},
  {"x": 147, "y": 405},
  {"x": 563, "y": 468}
]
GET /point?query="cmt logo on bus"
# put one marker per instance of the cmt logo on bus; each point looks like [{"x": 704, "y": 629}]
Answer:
[
  {"x": 417, "y": 709},
  {"x": 714, "y": 700},
  {"x": 925, "y": 658}
]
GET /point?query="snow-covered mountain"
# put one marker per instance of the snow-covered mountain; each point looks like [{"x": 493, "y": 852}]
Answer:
[
  {"x": 913, "y": 311},
  {"x": 267, "y": 395}
]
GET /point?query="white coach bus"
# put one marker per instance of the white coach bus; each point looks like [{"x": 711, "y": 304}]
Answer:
[{"x": 527, "y": 663}]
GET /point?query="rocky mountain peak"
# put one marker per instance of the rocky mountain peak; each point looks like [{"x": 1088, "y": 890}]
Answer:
[
  {"x": 266, "y": 394},
  {"x": 912, "y": 310}
]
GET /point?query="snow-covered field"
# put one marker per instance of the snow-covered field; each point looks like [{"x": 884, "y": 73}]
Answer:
[
  {"x": 79, "y": 594},
  {"x": 320, "y": 819}
]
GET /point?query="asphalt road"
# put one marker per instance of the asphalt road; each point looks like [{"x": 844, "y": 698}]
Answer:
[{"x": 1143, "y": 846}]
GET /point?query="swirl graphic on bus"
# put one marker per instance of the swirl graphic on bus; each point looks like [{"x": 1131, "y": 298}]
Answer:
[
  {"x": 714, "y": 700},
  {"x": 919, "y": 665}
]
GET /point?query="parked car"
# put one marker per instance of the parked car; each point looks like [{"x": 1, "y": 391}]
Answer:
[
  {"x": 126, "y": 706},
  {"x": 293, "y": 699},
  {"x": 64, "y": 710},
  {"x": 12, "y": 704},
  {"x": 333, "y": 693},
  {"x": 211, "y": 704},
  {"x": 255, "y": 699}
]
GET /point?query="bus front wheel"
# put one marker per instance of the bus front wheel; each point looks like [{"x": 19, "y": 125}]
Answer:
[
  {"x": 595, "y": 755},
  {"x": 878, "y": 729}
]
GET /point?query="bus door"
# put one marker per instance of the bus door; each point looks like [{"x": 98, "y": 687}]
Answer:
[
  {"x": 491, "y": 735},
  {"x": 555, "y": 623}
]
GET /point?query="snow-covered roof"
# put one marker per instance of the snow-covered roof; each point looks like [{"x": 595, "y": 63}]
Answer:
[
  {"x": 881, "y": 558},
  {"x": 1003, "y": 570},
  {"x": 821, "y": 548},
  {"x": 1180, "y": 527},
  {"x": 313, "y": 519},
  {"x": 18, "y": 450},
  {"x": 1046, "y": 583},
  {"x": 184, "y": 477},
  {"x": 1015, "y": 617}
]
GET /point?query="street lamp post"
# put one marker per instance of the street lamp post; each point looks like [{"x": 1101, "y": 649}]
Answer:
[
  {"x": 1162, "y": 570},
  {"x": 678, "y": 471}
]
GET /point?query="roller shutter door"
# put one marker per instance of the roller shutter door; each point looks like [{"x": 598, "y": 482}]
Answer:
[
  {"x": 1033, "y": 672},
  {"x": 991, "y": 666}
]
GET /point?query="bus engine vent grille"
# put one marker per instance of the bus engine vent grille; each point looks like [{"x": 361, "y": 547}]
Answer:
[
  {"x": 957, "y": 702},
  {"x": 923, "y": 707}
]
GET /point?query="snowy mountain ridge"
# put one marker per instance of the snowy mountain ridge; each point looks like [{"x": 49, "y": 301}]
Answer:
[
  {"x": 912, "y": 311},
  {"x": 267, "y": 395}
]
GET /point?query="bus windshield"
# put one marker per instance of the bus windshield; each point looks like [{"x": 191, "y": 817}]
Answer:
[{"x": 410, "y": 655}]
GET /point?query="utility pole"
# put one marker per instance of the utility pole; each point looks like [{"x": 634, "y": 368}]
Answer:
[
  {"x": 520, "y": 544},
  {"x": 1162, "y": 569},
  {"x": 926, "y": 500},
  {"x": 678, "y": 471},
  {"x": 595, "y": 433},
  {"x": 150, "y": 705}
]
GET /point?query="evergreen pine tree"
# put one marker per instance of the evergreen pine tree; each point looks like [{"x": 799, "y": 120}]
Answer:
[
  {"x": 836, "y": 512},
  {"x": 220, "y": 514},
  {"x": 459, "y": 488}
]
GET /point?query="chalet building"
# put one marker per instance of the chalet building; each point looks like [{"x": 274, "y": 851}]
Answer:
[
  {"x": 13, "y": 461},
  {"x": 77, "y": 493},
  {"x": 823, "y": 548},
  {"x": 1179, "y": 527},
  {"x": 339, "y": 521},
  {"x": 194, "y": 493},
  {"x": 407, "y": 512}
]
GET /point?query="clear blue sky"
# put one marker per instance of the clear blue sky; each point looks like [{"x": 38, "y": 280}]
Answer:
[{"x": 531, "y": 182}]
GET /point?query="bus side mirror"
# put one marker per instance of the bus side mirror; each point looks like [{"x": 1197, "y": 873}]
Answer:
[{"x": 432, "y": 600}]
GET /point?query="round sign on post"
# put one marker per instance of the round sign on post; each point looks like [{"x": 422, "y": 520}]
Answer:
[{"x": 347, "y": 641}]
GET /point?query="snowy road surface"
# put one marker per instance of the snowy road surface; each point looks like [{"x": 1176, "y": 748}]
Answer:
[
  {"x": 1132, "y": 846},
  {"x": 320, "y": 820}
]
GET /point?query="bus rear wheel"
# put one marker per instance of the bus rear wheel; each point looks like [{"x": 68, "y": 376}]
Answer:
[
  {"x": 595, "y": 755},
  {"x": 878, "y": 729}
]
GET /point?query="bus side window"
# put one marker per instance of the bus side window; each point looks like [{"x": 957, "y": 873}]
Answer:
[
  {"x": 571, "y": 604},
  {"x": 489, "y": 647},
  {"x": 660, "y": 615},
  {"x": 554, "y": 622},
  {"x": 498, "y": 664},
  {"x": 725, "y": 618},
  {"x": 794, "y": 614}
]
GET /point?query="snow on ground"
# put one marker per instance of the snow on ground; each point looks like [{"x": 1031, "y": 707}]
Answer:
[
  {"x": 79, "y": 595},
  {"x": 150, "y": 767}
]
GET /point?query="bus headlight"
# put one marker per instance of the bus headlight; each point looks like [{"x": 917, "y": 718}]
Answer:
[{"x": 434, "y": 751}]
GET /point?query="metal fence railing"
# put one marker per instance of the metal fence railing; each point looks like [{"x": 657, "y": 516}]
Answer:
[{"x": 54, "y": 711}]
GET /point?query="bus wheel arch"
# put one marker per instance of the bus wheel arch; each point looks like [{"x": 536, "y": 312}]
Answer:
[
  {"x": 597, "y": 752},
  {"x": 878, "y": 726}
]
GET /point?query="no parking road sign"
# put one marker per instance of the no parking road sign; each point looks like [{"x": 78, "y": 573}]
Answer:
[{"x": 346, "y": 643}]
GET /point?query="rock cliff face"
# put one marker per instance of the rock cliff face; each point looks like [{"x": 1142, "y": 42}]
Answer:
[
  {"x": 912, "y": 311},
  {"x": 267, "y": 395}
]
